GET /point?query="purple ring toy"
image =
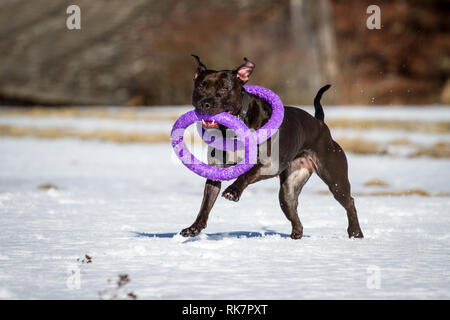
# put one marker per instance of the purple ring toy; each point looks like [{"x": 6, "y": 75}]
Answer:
[
  {"x": 263, "y": 133},
  {"x": 246, "y": 139}
]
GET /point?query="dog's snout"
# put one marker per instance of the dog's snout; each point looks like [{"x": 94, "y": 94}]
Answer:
[{"x": 206, "y": 104}]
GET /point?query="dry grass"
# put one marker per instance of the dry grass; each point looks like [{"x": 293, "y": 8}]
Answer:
[
  {"x": 353, "y": 145},
  {"x": 409, "y": 192},
  {"x": 133, "y": 113},
  {"x": 323, "y": 192},
  {"x": 408, "y": 125},
  {"x": 402, "y": 142},
  {"x": 128, "y": 113},
  {"x": 87, "y": 259},
  {"x": 102, "y": 135},
  {"x": 440, "y": 149},
  {"x": 360, "y": 146},
  {"x": 118, "y": 291},
  {"x": 437, "y": 150},
  {"x": 47, "y": 186},
  {"x": 376, "y": 183}
]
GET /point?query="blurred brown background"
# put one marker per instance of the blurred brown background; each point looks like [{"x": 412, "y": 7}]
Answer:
[{"x": 137, "y": 52}]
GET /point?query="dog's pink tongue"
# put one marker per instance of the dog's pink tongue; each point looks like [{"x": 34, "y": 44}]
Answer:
[{"x": 210, "y": 124}]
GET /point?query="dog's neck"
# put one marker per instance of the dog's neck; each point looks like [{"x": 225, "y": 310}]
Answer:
[
  {"x": 255, "y": 112},
  {"x": 244, "y": 109}
]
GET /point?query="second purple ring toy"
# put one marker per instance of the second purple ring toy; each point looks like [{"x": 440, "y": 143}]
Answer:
[
  {"x": 263, "y": 133},
  {"x": 203, "y": 169}
]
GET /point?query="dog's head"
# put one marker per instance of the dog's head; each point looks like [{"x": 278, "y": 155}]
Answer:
[{"x": 219, "y": 91}]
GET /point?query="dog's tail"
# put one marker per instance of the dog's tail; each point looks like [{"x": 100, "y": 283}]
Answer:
[{"x": 319, "y": 114}]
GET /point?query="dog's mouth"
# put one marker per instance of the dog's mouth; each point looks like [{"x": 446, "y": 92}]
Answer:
[
  {"x": 210, "y": 124},
  {"x": 213, "y": 124}
]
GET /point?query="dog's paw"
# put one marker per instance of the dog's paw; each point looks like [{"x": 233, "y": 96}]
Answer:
[
  {"x": 355, "y": 233},
  {"x": 296, "y": 234},
  {"x": 192, "y": 231},
  {"x": 232, "y": 193}
]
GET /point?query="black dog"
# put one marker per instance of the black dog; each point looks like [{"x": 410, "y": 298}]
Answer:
[{"x": 305, "y": 146}]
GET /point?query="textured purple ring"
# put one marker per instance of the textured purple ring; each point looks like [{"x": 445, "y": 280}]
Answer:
[
  {"x": 262, "y": 134},
  {"x": 203, "y": 169},
  {"x": 248, "y": 139}
]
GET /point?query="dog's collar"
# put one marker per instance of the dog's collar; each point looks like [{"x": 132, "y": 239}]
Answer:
[{"x": 245, "y": 103}]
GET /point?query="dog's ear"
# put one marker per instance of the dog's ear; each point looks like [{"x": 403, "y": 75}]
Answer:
[
  {"x": 200, "y": 66},
  {"x": 244, "y": 71}
]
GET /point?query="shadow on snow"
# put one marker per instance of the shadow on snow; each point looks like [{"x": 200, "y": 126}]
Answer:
[{"x": 217, "y": 235}]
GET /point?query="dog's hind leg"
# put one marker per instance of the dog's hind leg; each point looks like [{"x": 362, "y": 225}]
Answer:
[
  {"x": 332, "y": 168},
  {"x": 292, "y": 181}
]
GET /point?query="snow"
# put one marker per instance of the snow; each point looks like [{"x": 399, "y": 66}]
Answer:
[
  {"x": 380, "y": 135},
  {"x": 124, "y": 205},
  {"x": 88, "y": 124},
  {"x": 389, "y": 112}
]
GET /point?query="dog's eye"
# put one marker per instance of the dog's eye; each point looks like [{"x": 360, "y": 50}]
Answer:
[{"x": 201, "y": 86}]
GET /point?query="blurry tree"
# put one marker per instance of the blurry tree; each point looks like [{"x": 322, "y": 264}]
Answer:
[{"x": 138, "y": 51}]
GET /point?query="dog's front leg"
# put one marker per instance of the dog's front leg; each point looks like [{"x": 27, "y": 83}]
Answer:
[
  {"x": 212, "y": 189},
  {"x": 234, "y": 191}
]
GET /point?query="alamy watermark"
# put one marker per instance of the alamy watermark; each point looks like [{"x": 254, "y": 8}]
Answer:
[
  {"x": 73, "y": 281},
  {"x": 374, "y": 20},
  {"x": 73, "y": 21},
  {"x": 373, "y": 277}
]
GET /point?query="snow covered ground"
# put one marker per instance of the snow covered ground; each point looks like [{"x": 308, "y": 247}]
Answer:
[{"x": 124, "y": 205}]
